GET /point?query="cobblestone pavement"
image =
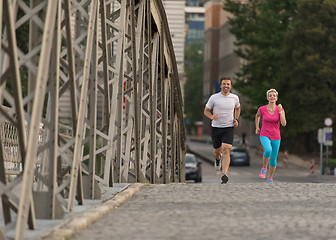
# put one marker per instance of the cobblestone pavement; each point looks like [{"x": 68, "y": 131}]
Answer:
[
  {"x": 296, "y": 206},
  {"x": 222, "y": 211}
]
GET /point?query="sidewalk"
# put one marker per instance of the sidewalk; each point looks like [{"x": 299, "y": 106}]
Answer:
[
  {"x": 234, "y": 211},
  {"x": 82, "y": 216}
]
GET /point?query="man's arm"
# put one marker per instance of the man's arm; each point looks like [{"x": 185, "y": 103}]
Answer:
[
  {"x": 207, "y": 112},
  {"x": 237, "y": 113},
  {"x": 236, "y": 117}
]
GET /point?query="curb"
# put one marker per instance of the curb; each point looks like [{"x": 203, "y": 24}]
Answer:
[
  {"x": 197, "y": 154},
  {"x": 201, "y": 156},
  {"x": 80, "y": 221}
]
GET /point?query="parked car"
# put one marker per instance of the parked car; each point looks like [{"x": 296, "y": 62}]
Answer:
[
  {"x": 239, "y": 156},
  {"x": 193, "y": 168},
  {"x": 236, "y": 140}
]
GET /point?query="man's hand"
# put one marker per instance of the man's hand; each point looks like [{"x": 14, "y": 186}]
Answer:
[
  {"x": 215, "y": 116},
  {"x": 235, "y": 123}
]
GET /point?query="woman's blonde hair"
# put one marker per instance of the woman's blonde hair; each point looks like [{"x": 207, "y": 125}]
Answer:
[{"x": 271, "y": 90}]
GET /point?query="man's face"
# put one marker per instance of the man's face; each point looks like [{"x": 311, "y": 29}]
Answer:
[{"x": 226, "y": 86}]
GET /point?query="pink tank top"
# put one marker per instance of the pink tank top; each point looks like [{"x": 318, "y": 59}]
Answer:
[{"x": 270, "y": 123}]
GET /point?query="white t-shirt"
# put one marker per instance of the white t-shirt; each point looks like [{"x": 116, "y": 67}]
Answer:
[{"x": 223, "y": 106}]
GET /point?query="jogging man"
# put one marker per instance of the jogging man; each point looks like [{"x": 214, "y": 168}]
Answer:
[{"x": 223, "y": 109}]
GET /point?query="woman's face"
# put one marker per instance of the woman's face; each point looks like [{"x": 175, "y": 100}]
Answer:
[{"x": 272, "y": 97}]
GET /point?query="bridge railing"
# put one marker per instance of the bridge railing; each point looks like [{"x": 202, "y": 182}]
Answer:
[
  {"x": 11, "y": 150},
  {"x": 102, "y": 79}
]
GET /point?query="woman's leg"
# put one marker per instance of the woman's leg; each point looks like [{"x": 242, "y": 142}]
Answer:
[
  {"x": 266, "y": 143},
  {"x": 265, "y": 162},
  {"x": 273, "y": 158}
]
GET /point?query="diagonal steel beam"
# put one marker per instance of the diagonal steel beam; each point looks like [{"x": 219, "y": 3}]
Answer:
[
  {"x": 41, "y": 82},
  {"x": 76, "y": 169}
]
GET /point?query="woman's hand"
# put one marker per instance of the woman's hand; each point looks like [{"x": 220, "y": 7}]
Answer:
[
  {"x": 282, "y": 115},
  {"x": 257, "y": 131},
  {"x": 280, "y": 108}
]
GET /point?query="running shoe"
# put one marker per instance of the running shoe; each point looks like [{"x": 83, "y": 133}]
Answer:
[
  {"x": 218, "y": 163},
  {"x": 270, "y": 180},
  {"x": 263, "y": 172},
  {"x": 224, "y": 178}
]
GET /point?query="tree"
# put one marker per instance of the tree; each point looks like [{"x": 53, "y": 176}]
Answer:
[
  {"x": 193, "y": 107},
  {"x": 308, "y": 82},
  {"x": 259, "y": 28}
]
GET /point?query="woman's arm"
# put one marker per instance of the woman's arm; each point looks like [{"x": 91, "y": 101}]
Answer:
[
  {"x": 257, "y": 120},
  {"x": 282, "y": 115}
]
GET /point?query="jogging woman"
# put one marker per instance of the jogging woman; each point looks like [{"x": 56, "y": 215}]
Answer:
[{"x": 272, "y": 116}]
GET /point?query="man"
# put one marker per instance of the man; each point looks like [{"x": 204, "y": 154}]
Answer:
[{"x": 225, "y": 108}]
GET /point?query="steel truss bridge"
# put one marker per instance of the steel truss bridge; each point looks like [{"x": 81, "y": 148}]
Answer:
[{"x": 116, "y": 51}]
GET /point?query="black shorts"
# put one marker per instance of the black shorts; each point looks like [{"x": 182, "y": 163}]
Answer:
[{"x": 221, "y": 135}]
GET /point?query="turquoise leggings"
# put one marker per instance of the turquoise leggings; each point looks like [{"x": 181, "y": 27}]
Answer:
[{"x": 271, "y": 149}]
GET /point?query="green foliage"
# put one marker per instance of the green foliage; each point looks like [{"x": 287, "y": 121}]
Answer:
[
  {"x": 259, "y": 28},
  {"x": 308, "y": 82},
  {"x": 332, "y": 162},
  {"x": 289, "y": 45},
  {"x": 193, "y": 88}
]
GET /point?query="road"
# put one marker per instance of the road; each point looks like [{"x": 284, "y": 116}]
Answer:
[
  {"x": 293, "y": 207},
  {"x": 244, "y": 174}
]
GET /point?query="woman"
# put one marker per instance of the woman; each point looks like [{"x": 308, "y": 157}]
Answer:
[{"x": 272, "y": 116}]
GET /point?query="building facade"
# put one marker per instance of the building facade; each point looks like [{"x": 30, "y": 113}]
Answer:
[
  {"x": 176, "y": 20},
  {"x": 186, "y": 24},
  {"x": 194, "y": 17},
  {"x": 219, "y": 57}
]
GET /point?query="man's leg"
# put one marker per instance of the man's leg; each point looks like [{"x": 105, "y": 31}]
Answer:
[
  {"x": 226, "y": 148},
  {"x": 217, "y": 146},
  {"x": 217, "y": 152}
]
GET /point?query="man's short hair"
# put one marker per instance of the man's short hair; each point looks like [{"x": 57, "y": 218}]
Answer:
[{"x": 224, "y": 78}]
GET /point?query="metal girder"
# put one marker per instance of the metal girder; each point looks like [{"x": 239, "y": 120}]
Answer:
[
  {"x": 75, "y": 187},
  {"x": 103, "y": 103},
  {"x": 15, "y": 115},
  {"x": 35, "y": 120}
]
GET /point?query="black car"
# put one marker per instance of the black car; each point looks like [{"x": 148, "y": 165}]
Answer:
[
  {"x": 239, "y": 156},
  {"x": 193, "y": 168}
]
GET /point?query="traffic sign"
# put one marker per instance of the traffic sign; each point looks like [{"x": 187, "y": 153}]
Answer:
[
  {"x": 328, "y": 122},
  {"x": 327, "y": 136}
]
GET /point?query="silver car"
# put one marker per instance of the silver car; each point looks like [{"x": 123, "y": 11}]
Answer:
[{"x": 193, "y": 168}]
